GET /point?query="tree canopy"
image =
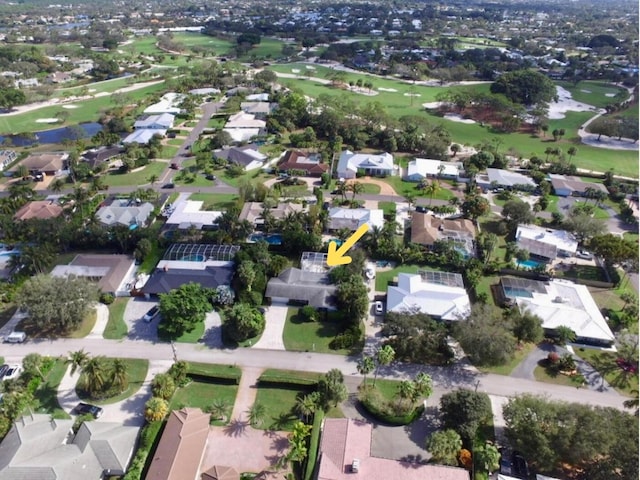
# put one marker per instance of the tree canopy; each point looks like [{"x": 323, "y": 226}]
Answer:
[
  {"x": 57, "y": 304},
  {"x": 242, "y": 322},
  {"x": 527, "y": 87},
  {"x": 465, "y": 411},
  {"x": 182, "y": 309}
]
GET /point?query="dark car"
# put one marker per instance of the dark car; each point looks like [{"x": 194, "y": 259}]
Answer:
[
  {"x": 210, "y": 177},
  {"x": 174, "y": 166},
  {"x": 421, "y": 209},
  {"x": 519, "y": 465},
  {"x": 88, "y": 409},
  {"x": 150, "y": 315},
  {"x": 3, "y": 370},
  {"x": 169, "y": 185}
]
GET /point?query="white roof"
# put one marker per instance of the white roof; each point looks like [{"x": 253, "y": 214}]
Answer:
[
  {"x": 258, "y": 97},
  {"x": 560, "y": 239},
  {"x": 425, "y": 167},
  {"x": 441, "y": 301},
  {"x": 569, "y": 304},
  {"x": 242, "y": 134},
  {"x": 244, "y": 120},
  {"x": 188, "y": 212},
  {"x": 164, "y": 119},
  {"x": 507, "y": 178},
  {"x": 167, "y": 104},
  {"x": 354, "y": 161},
  {"x": 374, "y": 218},
  {"x": 143, "y": 135}
]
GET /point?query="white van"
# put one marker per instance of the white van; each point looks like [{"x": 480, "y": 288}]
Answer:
[{"x": 16, "y": 337}]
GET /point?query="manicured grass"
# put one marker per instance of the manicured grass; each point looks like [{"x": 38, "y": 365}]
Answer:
[
  {"x": 490, "y": 223},
  {"x": 506, "y": 369},
  {"x": 605, "y": 364},
  {"x": 218, "y": 46},
  {"x": 200, "y": 394},
  {"x": 176, "y": 142},
  {"x": 46, "y": 395},
  {"x": 588, "y": 272},
  {"x": 370, "y": 188},
  {"x": 214, "y": 369},
  {"x": 310, "y": 336},
  {"x": 216, "y": 122},
  {"x": 268, "y": 48},
  {"x": 86, "y": 326},
  {"x": 193, "y": 336},
  {"x": 484, "y": 286},
  {"x": 610, "y": 297},
  {"x": 140, "y": 177},
  {"x": 387, "y": 388},
  {"x": 594, "y": 92},
  {"x": 116, "y": 328},
  {"x": 631, "y": 237},
  {"x": 153, "y": 257},
  {"x": 384, "y": 277},
  {"x": 169, "y": 151},
  {"x": 137, "y": 371},
  {"x": 389, "y": 208},
  {"x": 279, "y": 406},
  {"x": 541, "y": 375},
  {"x": 215, "y": 201},
  {"x": 411, "y": 188}
]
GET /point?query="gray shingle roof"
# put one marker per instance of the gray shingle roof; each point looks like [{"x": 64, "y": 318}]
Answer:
[{"x": 296, "y": 284}]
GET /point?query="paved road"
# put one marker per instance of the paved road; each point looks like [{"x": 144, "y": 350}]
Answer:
[{"x": 446, "y": 378}]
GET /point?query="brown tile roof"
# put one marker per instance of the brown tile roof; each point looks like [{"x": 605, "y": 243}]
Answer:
[
  {"x": 252, "y": 211},
  {"x": 44, "y": 162},
  {"x": 344, "y": 440},
  {"x": 295, "y": 160},
  {"x": 41, "y": 209},
  {"x": 181, "y": 447},
  {"x": 219, "y": 472},
  {"x": 426, "y": 228},
  {"x": 118, "y": 266}
]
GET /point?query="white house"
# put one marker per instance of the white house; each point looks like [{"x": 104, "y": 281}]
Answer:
[
  {"x": 371, "y": 164},
  {"x": 188, "y": 213},
  {"x": 440, "y": 295},
  {"x": 243, "y": 126},
  {"x": 353, "y": 218},
  {"x": 167, "y": 104},
  {"x": 421, "y": 168},
  {"x": 163, "y": 121},
  {"x": 143, "y": 135},
  {"x": 503, "y": 178},
  {"x": 546, "y": 242}
]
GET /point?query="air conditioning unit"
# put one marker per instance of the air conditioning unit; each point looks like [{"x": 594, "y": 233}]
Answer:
[{"x": 355, "y": 465}]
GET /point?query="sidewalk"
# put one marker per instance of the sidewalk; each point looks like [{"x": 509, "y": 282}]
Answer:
[
  {"x": 247, "y": 391},
  {"x": 102, "y": 318}
]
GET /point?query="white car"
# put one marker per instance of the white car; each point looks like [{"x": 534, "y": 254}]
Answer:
[
  {"x": 12, "y": 372},
  {"x": 379, "y": 308},
  {"x": 584, "y": 255}
]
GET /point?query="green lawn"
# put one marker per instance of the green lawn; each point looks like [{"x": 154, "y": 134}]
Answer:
[
  {"x": 193, "y": 336},
  {"x": 605, "y": 363},
  {"x": 383, "y": 278},
  {"x": 116, "y": 328},
  {"x": 588, "y": 272},
  {"x": 200, "y": 394},
  {"x": 411, "y": 188},
  {"x": 137, "y": 371},
  {"x": 214, "y": 369},
  {"x": 310, "y": 336},
  {"x": 484, "y": 286},
  {"x": 370, "y": 188},
  {"x": 86, "y": 326},
  {"x": 389, "y": 208},
  {"x": 153, "y": 257},
  {"x": 387, "y": 388},
  {"x": 542, "y": 375},
  {"x": 506, "y": 369},
  {"x": 176, "y": 142},
  {"x": 215, "y": 201},
  {"x": 169, "y": 151},
  {"x": 610, "y": 297},
  {"x": 34, "y": 331},
  {"x": 268, "y": 48},
  {"x": 46, "y": 395},
  {"x": 279, "y": 403},
  {"x": 217, "y": 46},
  {"x": 595, "y": 93},
  {"x": 141, "y": 177}
]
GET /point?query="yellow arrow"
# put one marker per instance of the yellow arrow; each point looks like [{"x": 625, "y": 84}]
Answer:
[{"x": 335, "y": 256}]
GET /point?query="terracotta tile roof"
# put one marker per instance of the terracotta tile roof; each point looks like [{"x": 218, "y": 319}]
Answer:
[
  {"x": 426, "y": 228},
  {"x": 297, "y": 160},
  {"x": 181, "y": 447},
  {"x": 41, "y": 209}
]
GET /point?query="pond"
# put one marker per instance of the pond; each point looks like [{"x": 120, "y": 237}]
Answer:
[{"x": 56, "y": 135}]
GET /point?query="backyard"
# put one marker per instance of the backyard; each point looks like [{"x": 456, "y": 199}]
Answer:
[{"x": 383, "y": 278}]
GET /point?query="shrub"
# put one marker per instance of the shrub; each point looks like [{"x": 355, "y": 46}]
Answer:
[
  {"x": 163, "y": 386},
  {"x": 33, "y": 384},
  {"x": 394, "y": 412},
  {"x": 553, "y": 358},
  {"x": 308, "y": 314},
  {"x": 346, "y": 339},
  {"x": 107, "y": 298}
]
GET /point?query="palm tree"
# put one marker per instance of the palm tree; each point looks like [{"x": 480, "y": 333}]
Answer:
[
  {"x": 119, "y": 374},
  {"x": 256, "y": 414},
  {"x": 220, "y": 409},
  {"x": 572, "y": 151},
  {"x": 77, "y": 359},
  {"x": 455, "y": 148},
  {"x": 406, "y": 389},
  {"x": 565, "y": 334},
  {"x": 308, "y": 405},
  {"x": 155, "y": 409},
  {"x": 153, "y": 179},
  {"x": 94, "y": 373},
  {"x": 373, "y": 237},
  {"x": 384, "y": 356},
  {"x": 341, "y": 188},
  {"x": 633, "y": 401},
  {"x": 57, "y": 185},
  {"x": 163, "y": 386},
  {"x": 23, "y": 171},
  {"x": 97, "y": 184},
  {"x": 444, "y": 446},
  {"x": 365, "y": 366},
  {"x": 432, "y": 189},
  {"x": 355, "y": 188}
]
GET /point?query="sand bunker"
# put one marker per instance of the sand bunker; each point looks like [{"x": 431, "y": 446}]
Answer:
[
  {"x": 609, "y": 95},
  {"x": 382, "y": 89},
  {"x": 454, "y": 117},
  {"x": 585, "y": 91},
  {"x": 412, "y": 95},
  {"x": 295, "y": 70},
  {"x": 565, "y": 104},
  {"x": 309, "y": 67},
  {"x": 70, "y": 107},
  {"x": 432, "y": 105},
  {"x": 611, "y": 143},
  {"x": 47, "y": 120}
]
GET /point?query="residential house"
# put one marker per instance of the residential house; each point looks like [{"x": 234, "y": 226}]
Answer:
[
  {"x": 26, "y": 82},
  {"x": 422, "y": 168},
  {"x": 181, "y": 446},
  {"x": 114, "y": 274},
  {"x": 186, "y": 214},
  {"x": 97, "y": 156},
  {"x": 209, "y": 265},
  {"x": 232, "y": 92},
  {"x": 122, "y": 211},
  {"x": 259, "y": 109},
  {"x": 566, "y": 186},
  {"x": 204, "y": 91},
  {"x": 303, "y": 287},
  {"x": 40, "y": 209},
  {"x": 440, "y": 295},
  {"x": 59, "y": 77},
  {"x": 163, "y": 121},
  {"x": 46, "y": 163},
  {"x": 302, "y": 164},
  {"x": 560, "y": 303},
  {"x": 375, "y": 165},
  {"x": 247, "y": 156},
  {"x": 546, "y": 243},
  {"x": 169, "y": 103},
  {"x": 243, "y": 126},
  {"x": 345, "y": 453},
  {"x": 257, "y": 97},
  {"x": 253, "y": 212},
  {"x": 143, "y": 135},
  {"x": 353, "y": 218},
  {"x": 39, "y": 447},
  {"x": 496, "y": 177},
  {"x": 6, "y": 158},
  {"x": 426, "y": 229}
]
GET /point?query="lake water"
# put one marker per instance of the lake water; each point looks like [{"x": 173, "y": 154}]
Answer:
[{"x": 55, "y": 135}]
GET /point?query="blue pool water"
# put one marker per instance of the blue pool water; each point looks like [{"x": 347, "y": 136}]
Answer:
[
  {"x": 271, "y": 239},
  {"x": 513, "y": 292},
  {"x": 338, "y": 241},
  {"x": 193, "y": 258},
  {"x": 5, "y": 253},
  {"x": 529, "y": 264}
]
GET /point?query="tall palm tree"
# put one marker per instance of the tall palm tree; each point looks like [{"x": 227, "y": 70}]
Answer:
[
  {"x": 355, "y": 188},
  {"x": 94, "y": 375},
  {"x": 153, "y": 179},
  {"x": 220, "y": 409},
  {"x": 308, "y": 405},
  {"x": 119, "y": 374},
  {"x": 57, "y": 185},
  {"x": 256, "y": 414},
  {"x": 366, "y": 365},
  {"x": 77, "y": 360},
  {"x": 432, "y": 189}
]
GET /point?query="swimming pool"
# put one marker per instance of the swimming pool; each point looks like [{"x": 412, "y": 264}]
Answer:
[
  {"x": 513, "y": 292},
  {"x": 193, "y": 258},
  {"x": 271, "y": 239},
  {"x": 529, "y": 264}
]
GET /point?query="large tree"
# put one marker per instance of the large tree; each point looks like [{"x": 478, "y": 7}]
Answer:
[
  {"x": 182, "y": 309},
  {"x": 613, "y": 249},
  {"x": 332, "y": 389},
  {"x": 444, "y": 447},
  {"x": 516, "y": 212},
  {"x": 527, "y": 87},
  {"x": 527, "y": 327},
  {"x": 583, "y": 225},
  {"x": 352, "y": 298},
  {"x": 465, "y": 411},
  {"x": 57, "y": 304},
  {"x": 242, "y": 322}
]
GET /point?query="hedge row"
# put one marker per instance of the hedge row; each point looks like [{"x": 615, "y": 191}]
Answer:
[
  {"x": 219, "y": 379},
  {"x": 149, "y": 437},
  {"x": 314, "y": 444},
  {"x": 214, "y": 373},
  {"x": 391, "y": 419},
  {"x": 282, "y": 379}
]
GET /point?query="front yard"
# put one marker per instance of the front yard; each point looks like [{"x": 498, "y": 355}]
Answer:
[
  {"x": 136, "y": 371},
  {"x": 605, "y": 364},
  {"x": 116, "y": 328}
]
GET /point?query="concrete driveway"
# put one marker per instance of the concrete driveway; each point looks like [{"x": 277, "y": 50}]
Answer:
[
  {"x": 212, "y": 337},
  {"x": 275, "y": 317},
  {"x": 139, "y": 329}
]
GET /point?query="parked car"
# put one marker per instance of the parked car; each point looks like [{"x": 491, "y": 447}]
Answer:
[
  {"x": 3, "y": 370},
  {"x": 210, "y": 177},
  {"x": 168, "y": 185},
  {"x": 88, "y": 409},
  {"x": 12, "y": 372},
  {"x": 150, "y": 315},
  {"x": 584, "y": 255},
  {"x": 379, "y": 308},
  {"x": 16, "y": 337},
  {"x": 519, "y": 467},
  {"x": 174, "y": 166}
]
